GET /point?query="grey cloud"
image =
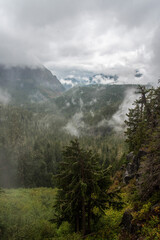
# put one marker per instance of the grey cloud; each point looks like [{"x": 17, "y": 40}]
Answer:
[
  {"x": 85, "y": 35},
  {"x": 156, "y": 52}
]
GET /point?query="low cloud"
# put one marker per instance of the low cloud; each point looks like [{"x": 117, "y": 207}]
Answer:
[
  {"x": 75, "y": 125},
  {"x": 5, "y": 98},
  {"x": 117, "y": 120}
]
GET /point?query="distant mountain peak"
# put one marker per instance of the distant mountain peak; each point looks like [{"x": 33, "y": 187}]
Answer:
[
  {"x": 101, "y": 78},
  {"x": 27, "y": 84}
]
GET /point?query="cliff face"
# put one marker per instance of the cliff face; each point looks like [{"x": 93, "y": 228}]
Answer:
[{"x": 26, "y": 84}]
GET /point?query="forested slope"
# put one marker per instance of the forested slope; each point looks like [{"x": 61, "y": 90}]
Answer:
[
  {"x": 33, "y": 135},
  {"x": 113, "y": 194}
]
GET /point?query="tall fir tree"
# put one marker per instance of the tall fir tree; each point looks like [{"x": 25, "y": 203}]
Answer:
[
  {"x": 82, "y": 187},
  {"x": 143, "y": 134}
]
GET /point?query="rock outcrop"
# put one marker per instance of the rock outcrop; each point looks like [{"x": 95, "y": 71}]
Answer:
[{"x": 132, "y": 166}]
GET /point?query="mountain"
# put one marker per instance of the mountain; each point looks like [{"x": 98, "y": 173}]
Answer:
[
  {"x": 89, "y": 109},
  {"x": 102, "y": 79},
  {"x": 92, "y": 97},
  {"x": 81, "y": 110},
  {"x": 88, "y": 78},
  {"x": 25, "y": 84},
  {"x": 86, "y": 110}
]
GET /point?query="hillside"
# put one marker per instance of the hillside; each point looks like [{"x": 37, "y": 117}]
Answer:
[
  {"x": 29, "y": 85},
  {"x": 89, "y": 108},
  {"x": 125, "y": 205},
  {"x": 84, "y": 112}
]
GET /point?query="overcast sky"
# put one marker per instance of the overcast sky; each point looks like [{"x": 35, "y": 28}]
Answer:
[{"x": 69, "y": 36}]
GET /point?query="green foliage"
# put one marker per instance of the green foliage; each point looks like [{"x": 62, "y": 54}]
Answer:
[
  {"x": 83, "y": 185},
  {"x": 149, "y": 221},
  {"x": 26, "y": 214},
  {"x": 143, "y": 212},
  {"x": 64, "y": 229},
  {"x": 143, "y": 134},
  {"x": 73, "y": 236},
  {"x": 32, "y": 136},
  {"x": 151, "y": 229},
  {"x": 108, "y": 227}
]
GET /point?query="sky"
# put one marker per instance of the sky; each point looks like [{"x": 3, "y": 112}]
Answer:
[{"x": 73, "y": 37}]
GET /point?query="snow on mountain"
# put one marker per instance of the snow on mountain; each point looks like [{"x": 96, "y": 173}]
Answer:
[{"x": 72, "y": 81}]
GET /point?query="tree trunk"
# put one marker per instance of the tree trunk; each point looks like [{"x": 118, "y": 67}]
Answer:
[
  {"x": 83, "y": 199},
  {"x": 77, "y": 227},
  {"x": 83, "y": 217},
  {"x": 89, "y": 216}
]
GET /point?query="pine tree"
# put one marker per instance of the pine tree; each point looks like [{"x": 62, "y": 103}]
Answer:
[
  {"x": 139, "y": 119},
  {"x": 143, "y": 134},
  {"x": 82, "y": 186}
]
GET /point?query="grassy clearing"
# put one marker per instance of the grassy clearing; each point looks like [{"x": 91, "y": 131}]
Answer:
[{"x": 25, "y": 213}]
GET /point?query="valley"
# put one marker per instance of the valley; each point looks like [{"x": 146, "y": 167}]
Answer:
[{"x": 34, "y": 138}]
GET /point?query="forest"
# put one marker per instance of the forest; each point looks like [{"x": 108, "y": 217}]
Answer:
[{"x": 97, "y": 183}]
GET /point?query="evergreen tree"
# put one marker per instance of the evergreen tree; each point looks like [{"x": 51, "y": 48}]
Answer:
[
  {"x": 143, "y": 134},
  {"x": 82, "y": 187},
  {"x": 138, "y": 120}
]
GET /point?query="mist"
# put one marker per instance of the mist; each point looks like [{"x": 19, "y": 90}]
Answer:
[
  {"x": 75, "y": 125},
  {"x": 5, "y": 97},
  {"x": 117, "y": 120}
]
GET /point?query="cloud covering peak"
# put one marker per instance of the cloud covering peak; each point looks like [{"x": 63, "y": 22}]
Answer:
[{"x": 86, "y": 35}]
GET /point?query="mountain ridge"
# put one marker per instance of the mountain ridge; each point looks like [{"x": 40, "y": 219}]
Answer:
[
  {"x": 98, "y": 78},
  {"x": 26, "y": 84}
]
